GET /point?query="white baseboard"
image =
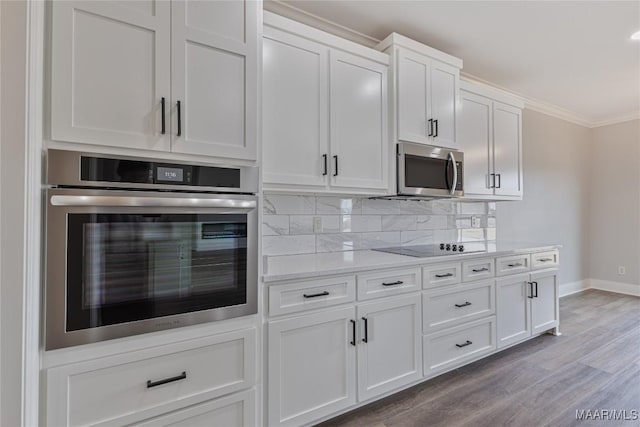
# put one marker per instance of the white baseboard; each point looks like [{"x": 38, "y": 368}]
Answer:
[
  {"x": 573, "y": 287},
  {"x": 617, "y": 287}
]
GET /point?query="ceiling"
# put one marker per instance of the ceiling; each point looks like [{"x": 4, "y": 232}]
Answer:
[{"x": 575, "y": 55}]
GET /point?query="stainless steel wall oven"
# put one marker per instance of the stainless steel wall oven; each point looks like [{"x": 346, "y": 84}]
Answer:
[{"x": 138, "y": 245}]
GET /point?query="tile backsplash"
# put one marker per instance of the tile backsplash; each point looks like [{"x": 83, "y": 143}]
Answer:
[{"x": 294, "y": 224}]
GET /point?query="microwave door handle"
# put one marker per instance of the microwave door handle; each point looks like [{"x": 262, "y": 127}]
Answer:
[{"x": 455, "y": 173}]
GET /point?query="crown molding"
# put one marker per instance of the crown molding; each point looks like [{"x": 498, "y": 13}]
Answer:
[
  {"x": 296, "y": 14},
  {"x": 304, "y": 17}
]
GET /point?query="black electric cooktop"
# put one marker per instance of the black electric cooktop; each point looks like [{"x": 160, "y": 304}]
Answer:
[{"x": 425, "y": 251}]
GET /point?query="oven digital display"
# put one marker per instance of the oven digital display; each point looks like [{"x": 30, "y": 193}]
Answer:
[{"x": 170, "y": 174}]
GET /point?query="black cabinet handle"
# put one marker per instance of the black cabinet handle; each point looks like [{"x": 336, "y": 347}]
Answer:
[
  {"x": 182, "y": 376},
  {"x": 336, "y": 160},
  {"x": 164, "y": 125},
  {"x": 366, "y": 330},
  {"x": 324, "y": 158},
  {"x": 536, "y": 284},
  {"x": 546, "y": 259},
  {"x": 514, "y": 265},
  {"x": 463, "y": 305},
  {"x": 531, "y": 294},
  {"x": 179, "y": 119},
  {"x": 353, "y": 332},
  {"x": 435, "y": 135},
  {"x": 440, "y": 276},
  {"x": 321, "y": 294},
  {"x": 493, "y": 180},
  {"x": 399, "y": 282},
  {"x": 464, "y": 345},
  {"x": 430, "y": 127},
  {"x": 479, "y": 270},
  {"x": 499, "y": 176}
]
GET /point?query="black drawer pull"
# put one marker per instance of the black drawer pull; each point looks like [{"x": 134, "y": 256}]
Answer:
[
  {"x": 531, "y": 295},
  {"x": 478, "y": 270},
  {"x": 463, "y": 305},
  {"x": 440, "y": 276},
  {"x": 321, "y": 294},
  {"x": 514, "y": 265},
  {"x": 324, "y": 159},
  {"x": 399, "y": 282},
  {"x": 353, "y": 331},
  {"x": 164, "y": 127},
  {"x": 366, "y": 330},
  {"x": 464, "y": 345},
  {"x": 182, "y": 376},
  {"x": 179, "y": 133},
  {"x": 546, "y": 259}
]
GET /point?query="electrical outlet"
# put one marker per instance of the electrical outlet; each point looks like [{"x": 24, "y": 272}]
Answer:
[
  {"x": 475, "y": 221},
  {"x": 622, "y": 270},
  {"x": 317, "y": 224}
]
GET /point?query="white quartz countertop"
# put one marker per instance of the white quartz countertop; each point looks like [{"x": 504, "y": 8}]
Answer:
[{"x": 304, "y": 266}]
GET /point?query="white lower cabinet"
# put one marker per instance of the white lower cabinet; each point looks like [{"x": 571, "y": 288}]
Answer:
[
  {"x": 130, "y": 387},
  {"x": 527, "y": 304},
  {"x": 237, "y": 410},
  {"x": 312, "y": 366},
  {"x": 389, "y": 348}
]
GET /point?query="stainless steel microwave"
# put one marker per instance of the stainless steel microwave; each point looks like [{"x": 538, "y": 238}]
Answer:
[{"x": 425, "y": 171}]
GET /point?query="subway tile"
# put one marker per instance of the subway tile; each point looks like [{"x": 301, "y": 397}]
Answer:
[
  {"x": 275, "y": 225},
  {"x": 491, "y": 233},
  {"x": 491, "y": 208},
  {"x": 445, "y": 236},
  {"x": 443, "y": 207},
  {"x": 337, "y": 242},
  {"x": 462, "y": 223},
  {"x": 422, "y": 237},
  {"x": 301, "y": 224},
  {"x": 472, "y": 234},
  {"x": 468, "y": 208},
  {"x": 288, "y": 245},
  {"x": 491, "y": 221},
  {"x": 431, "y": 222},
  {"x": 398, "y": 222},
  {"x": 380, "y": 207},
  {"x": 277, "y": 204},
  {"x": 379, "y": 240},
  {"x": 338, "y": 205},
  {"x": 360, "y": 223},
  {"x": 418, "y": 207}
]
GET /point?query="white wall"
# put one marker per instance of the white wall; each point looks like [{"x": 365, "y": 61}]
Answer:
[
  {"x": 556, "y": 192},
  {"x": 12, "y": 193},
  {"x": 614, "y": 224}
]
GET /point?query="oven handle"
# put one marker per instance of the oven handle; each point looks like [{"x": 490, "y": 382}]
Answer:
[{"x": 177, "y": 202}]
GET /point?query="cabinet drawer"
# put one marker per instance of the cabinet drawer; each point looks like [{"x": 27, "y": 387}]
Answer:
[
  {"x": 390, "y": 282},
  {"x": 477, "y": 269},
  {"x": 310, "y": 294},
  {"x": 453, "y": 347},
  {"x": 117, "y": 388},
  {"x": 441, "y": 275},
  {"x": 512, "y": 264},
  {"x": 443, "y": 308},
  {"x": 550, "y": 259}
]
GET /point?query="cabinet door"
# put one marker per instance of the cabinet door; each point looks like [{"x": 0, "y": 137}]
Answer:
[
  {"x": 512, "y": 309},
  {"x": 109, "y": 72},
  {"x": 359, "y": 141},
  {"x": 444, "y": 102},
  {"x": 312, "y": 366},
  {"x": 294, "y": 110},
  {"x": 389, "y": 345},
  {"x": 413, "y": 95},
  {"x": 237, "y": 410},
  {"x": 507, "y": 148},
  {"x": 544, "y": 307},
  {"x": 214, "y": 75},
  {"x": 475, "y": 140}
]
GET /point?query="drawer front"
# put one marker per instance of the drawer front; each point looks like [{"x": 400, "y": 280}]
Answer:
[
  {"x": 387, "y": 283},
  {"x": 512, "y": 264},
  {"x": 104, "y": 390},
  {"x": 450, "y": 307},
  {"x": 454, "y": 347},
  {"x": 441, "y": 275},
  {"x": 478, "y": 269},
  {"x": 550, "y": 259},
  {"x": 311, "y": 294}
]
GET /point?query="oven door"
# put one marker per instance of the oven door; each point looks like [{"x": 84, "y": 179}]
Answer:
[
  {"x": 428, "y": 171},
  {"x": 122, "y": 263}
]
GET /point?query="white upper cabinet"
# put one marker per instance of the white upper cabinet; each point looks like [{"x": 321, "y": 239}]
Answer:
[
  {"x": 490, "y": 135},
  {"x": 120, "y": 69},
  {"x": 110, "y": 71},
  {"x": 427, "y": 91},
  {"x": 214, "y": 77},
  {"x": 324, "y": 102}
]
